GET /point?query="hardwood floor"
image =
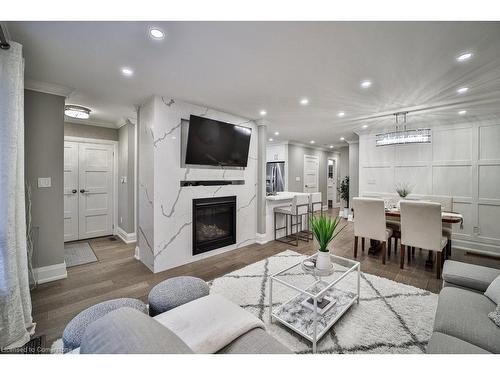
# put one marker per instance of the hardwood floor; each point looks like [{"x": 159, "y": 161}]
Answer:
[{"x": 118, "y": 274}]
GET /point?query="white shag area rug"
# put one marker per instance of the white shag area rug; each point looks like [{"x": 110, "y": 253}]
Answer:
[{"x": 390, "y": 318}]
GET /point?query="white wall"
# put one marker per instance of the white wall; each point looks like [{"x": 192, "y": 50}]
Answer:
[
  {"x": 463, "y": 161},
  {"x": 165, "y": 209}
]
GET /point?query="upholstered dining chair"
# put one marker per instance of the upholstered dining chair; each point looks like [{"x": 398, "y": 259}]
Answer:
[
  {"x": 446, "y": 205},
  {"x": 369, "y": 222},
  {"x": 421, "y": 226},
  {"x": 297, "y": 210}
]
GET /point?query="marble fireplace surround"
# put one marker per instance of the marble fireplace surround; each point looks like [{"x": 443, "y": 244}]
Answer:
[{"x": 165, "y": 208}]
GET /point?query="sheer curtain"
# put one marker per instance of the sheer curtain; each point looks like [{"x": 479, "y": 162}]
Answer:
[{"x": 16, "y": 323}]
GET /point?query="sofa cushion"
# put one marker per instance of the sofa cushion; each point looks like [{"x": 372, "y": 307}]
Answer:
[
  {"x": 73, "y": 333},
  {"x": 255, "y": 341},
  {"x": 445, "y": 344},
  {"x": 469, "y": 276},
  {"x": 493, "y": 291},
  {"x": 128, "y": 331},
  {"x": 464, "y": 315}
]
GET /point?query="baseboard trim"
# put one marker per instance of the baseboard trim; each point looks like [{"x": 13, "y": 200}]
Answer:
[
  {"x": 126, "y": 237},
  {"x": 137, "y": 254},
  {"x": 260, "y": 238},
  {"x": 50, "y": 273}
]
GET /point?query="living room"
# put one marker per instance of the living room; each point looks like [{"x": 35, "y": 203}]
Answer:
[{"x": 181, "y": 187}]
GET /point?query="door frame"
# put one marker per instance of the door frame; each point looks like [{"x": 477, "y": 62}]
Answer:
[
  {"x": 336, "y": 203},
  {"x": 115, "y": 170}
]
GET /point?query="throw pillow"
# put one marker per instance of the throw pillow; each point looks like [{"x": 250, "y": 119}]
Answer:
[
  {"x": 493, "y": 291},
  {"x": 495, "y": 316}
]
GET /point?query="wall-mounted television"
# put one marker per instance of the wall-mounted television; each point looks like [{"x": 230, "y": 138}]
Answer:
[{"x": 217, "y": 143}]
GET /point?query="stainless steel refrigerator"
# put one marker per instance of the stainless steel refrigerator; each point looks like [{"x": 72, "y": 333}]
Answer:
[{"x": 275, "y": 177}]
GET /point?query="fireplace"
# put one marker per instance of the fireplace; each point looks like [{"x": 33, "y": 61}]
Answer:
[{"x": 214, "y": 223}]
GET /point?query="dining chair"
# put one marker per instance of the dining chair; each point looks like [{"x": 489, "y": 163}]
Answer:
[
  {"x": 369, "y": 222},
  {"x": 297, "y": 210},
  {"x": 421, "y": 226},
  {"x": 446, "y": 205}
]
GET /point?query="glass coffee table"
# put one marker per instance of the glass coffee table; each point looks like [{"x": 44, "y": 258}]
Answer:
[{"x": 310, "y": 301}]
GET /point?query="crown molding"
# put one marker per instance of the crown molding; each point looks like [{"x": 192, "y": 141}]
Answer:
[
  {"x": 89, "y": 122},
  {"x": 47, "y": 88}
]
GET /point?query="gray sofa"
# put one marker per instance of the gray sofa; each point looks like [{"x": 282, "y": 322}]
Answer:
[
  {"x": 128, "y": 330},
  {"x": 462, "y": 325}
]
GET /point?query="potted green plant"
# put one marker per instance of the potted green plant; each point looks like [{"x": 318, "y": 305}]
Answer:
[
  {"x": 324, "y": 230},
  {"x": 403, "y": 189},
  {"x": 343, "y": 190}
]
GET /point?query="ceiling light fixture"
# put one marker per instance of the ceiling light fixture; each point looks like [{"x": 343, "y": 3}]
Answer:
[
  {"x": 276, "y": 133},
  {"x": 127, "y": 72},
  {"x": 462, "y": 112},
  {"x": 365, "y": 84},
  {"x": 156, "y": 33},
  {"x": 312, "y": 142},
  {"x": 304, "y": 101},
  {"x": 462, "y": 90},
  {"x": 342, "y": 138},
  {"x": 403, "y": 136},
  {"x": 331, "y": 146},
  {"x": 364, "y": 126},
  {"x": 77, "y": 111},
  {"x": 270, "y": 139},
  {"x": 263, "y": 113},
  {"x": 464, "y": 56},
  {"x": 341, "y": 114}
]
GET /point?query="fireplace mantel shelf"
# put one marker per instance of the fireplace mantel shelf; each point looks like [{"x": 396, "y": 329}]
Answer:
[{"x": 190, "y": 183}]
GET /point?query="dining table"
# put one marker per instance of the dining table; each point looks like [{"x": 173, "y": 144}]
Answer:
[{"x": 395, "y": 213}]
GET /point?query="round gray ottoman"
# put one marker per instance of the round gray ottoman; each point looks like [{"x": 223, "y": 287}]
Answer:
[
  {"x": 175, "y": 292},
  {"x": 73, "y": 333}
]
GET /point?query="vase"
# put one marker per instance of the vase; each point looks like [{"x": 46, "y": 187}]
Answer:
[{"x": 323, "y": 260}]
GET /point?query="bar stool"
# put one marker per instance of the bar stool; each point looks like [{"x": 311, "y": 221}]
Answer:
[
  {"x": 298, "y": 208},
  {"x": 315, "y": 201}
]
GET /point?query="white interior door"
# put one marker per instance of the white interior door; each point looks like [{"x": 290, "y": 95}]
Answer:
[
  {"x": 311, "y": 174},
  {"x": 331, "y": 181},
  {"x": 70, "y": 191},
  {"x": 95, "y": 190}
]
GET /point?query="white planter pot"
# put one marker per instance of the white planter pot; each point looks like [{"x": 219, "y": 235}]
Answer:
[
  {"x": 346, "y": 213},
  {"x": 323, "y": 261}
]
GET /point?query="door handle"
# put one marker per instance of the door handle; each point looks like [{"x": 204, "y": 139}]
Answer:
[
  {"x": 83, "y": 191},
  {"x": 74, "y": 191}
]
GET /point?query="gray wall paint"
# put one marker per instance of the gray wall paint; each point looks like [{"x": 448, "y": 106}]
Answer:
[
  {"x": 296, "y": 168},
  {"x": 44, "y": 155},
  {"x": 353, "y": 171},
  {"x": 90, "y": 131},
  {"x": 126, "y": 145},
  {"x": 343, "y": 165}
]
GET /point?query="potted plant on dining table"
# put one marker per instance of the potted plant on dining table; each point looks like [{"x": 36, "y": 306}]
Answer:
[{"x": 325, "y": 230}]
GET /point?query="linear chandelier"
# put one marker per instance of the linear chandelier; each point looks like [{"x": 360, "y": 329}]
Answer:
[{"x": 403, "y": 136}]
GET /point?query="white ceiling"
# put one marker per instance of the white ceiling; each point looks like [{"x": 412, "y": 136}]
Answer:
[{"x": 243, "y": 67}]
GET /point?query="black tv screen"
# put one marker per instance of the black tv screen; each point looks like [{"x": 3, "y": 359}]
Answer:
[{"x": 212, "y": 142}]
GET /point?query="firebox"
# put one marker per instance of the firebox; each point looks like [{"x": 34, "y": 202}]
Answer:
[{"x": 214, "y": 223}]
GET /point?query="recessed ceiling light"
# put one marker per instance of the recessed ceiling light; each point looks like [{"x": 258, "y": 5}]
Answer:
[
  {"x": 174, "y": 137},
  {"x": 270, "y": 139},
  {"x": 127, "y": 72},
  {"x": 464, "y": 56},
  {"x": 462, "y": 112},
  {"x": 276, "y": 133},
  {"x": 364, "y": 126},
  {"x": 341, "y": 114},
  {"x": 462, "y": 90},
  {"x": 312, "y": 142},
  {"x": 263, "y": 113},
  {"x": 304, "y": 101},
  {"x": 77, "y": 111},
  {"x": 331, "y": 146},
  {"x": 156, "y": 33},
  {"x": 342, "y": 138},
  {"x": 365, "y": 84}
]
